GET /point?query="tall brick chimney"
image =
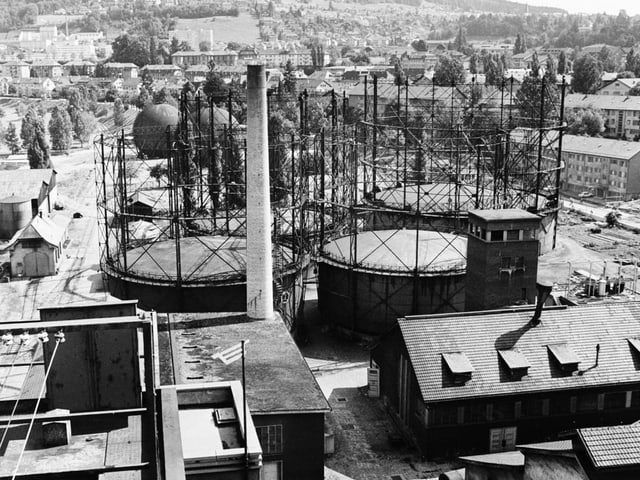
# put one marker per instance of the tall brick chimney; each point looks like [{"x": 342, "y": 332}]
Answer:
[{"x": 259, "y": 262}]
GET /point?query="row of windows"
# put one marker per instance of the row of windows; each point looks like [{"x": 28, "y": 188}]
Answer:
[
  {"x": 501, "y": 410},
  {"x": 591, "y": 159}
]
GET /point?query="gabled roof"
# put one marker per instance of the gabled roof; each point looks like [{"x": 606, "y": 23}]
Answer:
[
  {"x": 615, "y": 446},
  {"x": 602, "y": 102},
  {"x": 24, "y": 182},
  {"x": 601, "y": 147},
  {"x": 482, "y": 335},
  {"x": 44, "y": 228}
]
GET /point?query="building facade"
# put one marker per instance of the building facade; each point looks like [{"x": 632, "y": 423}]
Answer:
[
  {"x": 475, "y": 383},
  {"x": 606, "y": 168}
]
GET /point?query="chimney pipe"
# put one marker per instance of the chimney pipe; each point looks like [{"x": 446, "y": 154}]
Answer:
[
  {"x": 544, "y": 290},
  {"x": 259, "y": 261}
]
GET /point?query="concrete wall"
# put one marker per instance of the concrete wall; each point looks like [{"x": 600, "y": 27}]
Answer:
[
  {"x": 370, "y": 303},
  {"x": 303, "y": 444}
]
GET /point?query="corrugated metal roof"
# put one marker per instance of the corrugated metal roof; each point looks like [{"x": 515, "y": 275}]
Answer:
[
  {"x": 481, "y": 335},
  {"x": 615, "y": 446}
]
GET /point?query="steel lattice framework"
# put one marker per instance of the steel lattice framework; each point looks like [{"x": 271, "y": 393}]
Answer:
[{"x": 380, "y": 156}]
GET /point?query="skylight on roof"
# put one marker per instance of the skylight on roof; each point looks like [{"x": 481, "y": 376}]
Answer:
[
  {"x": 514, "y": 359},
  {"x": 563, "y": 354},
  {"x": 458, "y": 363}
]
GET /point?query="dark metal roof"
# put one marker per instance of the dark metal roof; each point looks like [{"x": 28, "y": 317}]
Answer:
[
  {"x": 504, "y": 214},
  {"x": 482, "y": 335},
  {"x": 278, "y": 377}
]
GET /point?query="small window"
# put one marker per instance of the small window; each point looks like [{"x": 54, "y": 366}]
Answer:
[
  {"x": 587, "y": 402},
  {"x": 615, "y": 400},
  {"x": 505, "y": 263},
  {"x": 497, "y": 235},
  {"x": 270, "y": 437},
  {"x": 513, "y": 234}
]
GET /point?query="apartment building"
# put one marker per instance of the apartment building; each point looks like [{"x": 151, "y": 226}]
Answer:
[
  {"x": 608, "y": 168},
  {"x": 621, "y": 114}
]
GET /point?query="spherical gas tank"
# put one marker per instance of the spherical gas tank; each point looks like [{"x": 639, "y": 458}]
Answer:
[
  {"x": 220, "y": 121},
  {"x": 154, "y": 130}
]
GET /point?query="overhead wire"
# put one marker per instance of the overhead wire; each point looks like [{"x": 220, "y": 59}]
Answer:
[
  {"x": 44, "y": 338},
  {"x": 24, "y": 338}
]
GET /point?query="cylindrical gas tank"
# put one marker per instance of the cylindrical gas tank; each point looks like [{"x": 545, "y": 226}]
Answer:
[{"x": 15, "y": 213}]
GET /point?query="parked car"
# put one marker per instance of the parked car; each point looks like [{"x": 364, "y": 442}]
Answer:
[{"x": 585, "y": 194}]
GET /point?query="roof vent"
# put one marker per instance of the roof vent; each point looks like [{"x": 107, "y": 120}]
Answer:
[
  {"x": 516, "y": 362},
  {"x": 459, "y": 366},
  {"x": 635, "y": 343},
  {"x": 564, "y": 356}
]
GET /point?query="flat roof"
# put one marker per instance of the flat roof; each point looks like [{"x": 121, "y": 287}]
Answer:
[
  {"x": 600, "y": 147},
  {"x": 278, "y": 378},
  {"x": 506, "y": 214},
  {"x": 501, "y": 459}
]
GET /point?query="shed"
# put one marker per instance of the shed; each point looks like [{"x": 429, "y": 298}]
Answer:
[{"x": 37, "y": 249}]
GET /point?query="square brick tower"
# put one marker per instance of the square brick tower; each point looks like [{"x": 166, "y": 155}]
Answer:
[{"x": 502, "y": 258}]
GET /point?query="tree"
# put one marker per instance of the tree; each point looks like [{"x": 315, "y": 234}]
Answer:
[
  {"x": 118, "y": 112},
  {"x": 607, "y": 60},
  {"x": 38, "y": 150},
  {"x": 143, "y": 98},
  {"x": 11, "y": 138},
  {"x": 288, "y": 80},
  {"x": 204, "y": 46},
  {"x": 535, "y": 65},
  {"x": 585, "y": 122},
  {"x": 473, "y": 64},
  {"x": 448, "y": 71},
  {"x": 586, "y": 74},
  {"x": 460, "y": 42},
  {"x": 158, "y": 171},
  {"x": 130, "y": 49},
  {"x": 493, "y": 70},
  {"x": 31, "y": 120},
  {"x": 518, "y": 44},
  {"x": 84, "y": 126},
  {"x": 632, "y": 62},
  {"x": 164, "y": 96},
  {"x": 635, "y": 91},
  {"x": 529, "y": 100},
  {"x": 551, "y": 69},
  {"x": 60, "y": 129},
  {"x": 153, "y": 50},
  {"x": 562, "y": 63},
  {"x": 214, "y": 86}
]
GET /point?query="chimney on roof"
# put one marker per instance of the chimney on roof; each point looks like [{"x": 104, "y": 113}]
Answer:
[
  {"x": 259, "y": 261},
  {"x": 544, "y": 288}
]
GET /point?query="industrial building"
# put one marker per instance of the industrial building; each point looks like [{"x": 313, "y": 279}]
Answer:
[
  {"x": 24, "y": 193},
  {"x": 483, "y": 382},
  {"x": 36, "y": 250}
]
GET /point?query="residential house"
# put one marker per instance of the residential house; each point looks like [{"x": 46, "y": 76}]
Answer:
[
  {"x": 620, "y": 86},
  {"x": 621, "y": 114},
  {"x": 35, "y": 87},
  {"x": 478, "y": 382},
  {"x": 46, "y": 69},
  {"x": 166, "y": 73},
  {"x": 15, "y": 69},
  {"x": 124, "y": 70},
  {"x": 287, "y": 405},
  {"x": 605, "y": 167},
  {"x": 79, "y": 67},
  {"x": 313, "y": 86}
]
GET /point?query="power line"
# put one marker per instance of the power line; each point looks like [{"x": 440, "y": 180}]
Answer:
[{"x": 44, "y": 338}]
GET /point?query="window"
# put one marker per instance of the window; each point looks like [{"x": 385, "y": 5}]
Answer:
[
  {"x": 559, "y": 405},
  {"x": 270, "y": 437},
  {"x": 513, "y": 234},
  {"x": 587, "y": 402},
  {"x": 497, "y": 236},
  {"x": 533, "y": 407},
  {"x": 443, "y": 415},
  {"x": 614, "y": 400},
  {"x": 271, "y": 471}
]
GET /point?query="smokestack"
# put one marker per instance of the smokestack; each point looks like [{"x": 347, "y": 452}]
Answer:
[
  {"x": 544, "y": 288},
  {"x": 259, "y": 263}
]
